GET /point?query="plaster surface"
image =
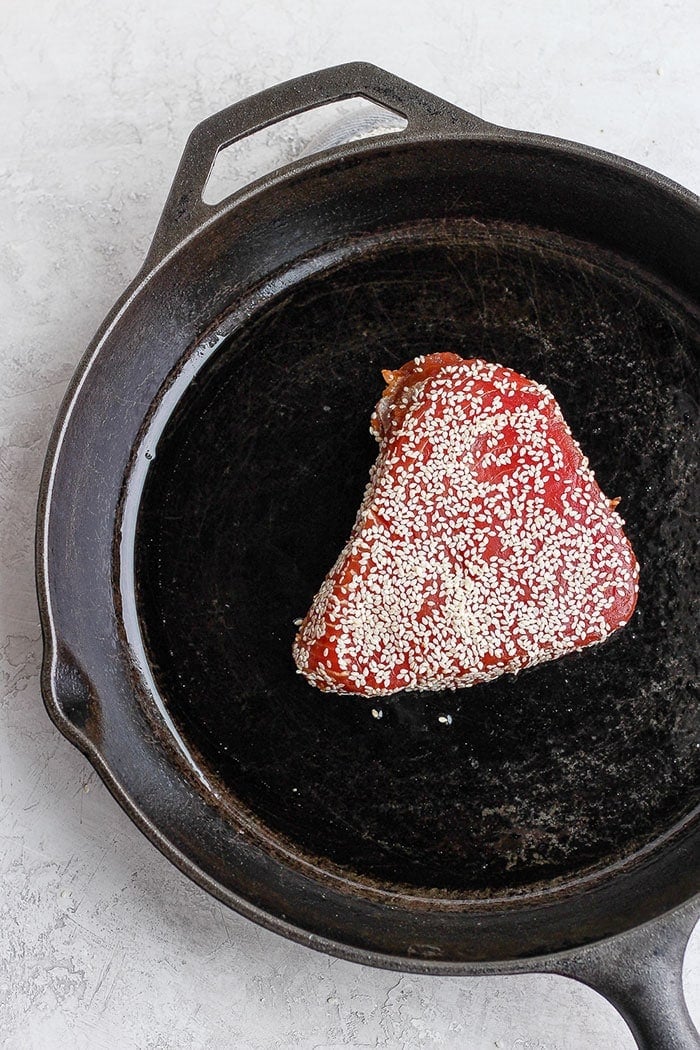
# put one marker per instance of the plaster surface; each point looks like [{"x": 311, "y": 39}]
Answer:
[{"x": 103, "y": 944}]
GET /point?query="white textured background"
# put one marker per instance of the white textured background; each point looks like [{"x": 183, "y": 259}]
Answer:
[{"x": 102, "y": 942}]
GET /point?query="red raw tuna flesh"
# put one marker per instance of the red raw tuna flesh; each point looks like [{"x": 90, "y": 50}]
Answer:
[{"x": 483, "y": 544}]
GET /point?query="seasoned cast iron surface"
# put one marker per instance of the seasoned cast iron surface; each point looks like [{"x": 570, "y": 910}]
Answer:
[{"x": 252, "y": 494}]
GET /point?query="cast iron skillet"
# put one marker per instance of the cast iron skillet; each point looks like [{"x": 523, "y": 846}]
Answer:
[{"x": 205, "y": 470}]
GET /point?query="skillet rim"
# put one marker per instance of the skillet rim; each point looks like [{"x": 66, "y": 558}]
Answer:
[{"x": 73, "y": 405}]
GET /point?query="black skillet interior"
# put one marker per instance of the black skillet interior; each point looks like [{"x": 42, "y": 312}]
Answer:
[{"x": 253, "y": 491}]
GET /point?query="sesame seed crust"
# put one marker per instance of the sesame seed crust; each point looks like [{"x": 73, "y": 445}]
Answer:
[{"x": 483, "y": 544}]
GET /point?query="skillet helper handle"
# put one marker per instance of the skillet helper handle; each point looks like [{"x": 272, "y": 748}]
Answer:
[
  {"x": 426, "y": 114},
  {"x": 640, "y": 973}
]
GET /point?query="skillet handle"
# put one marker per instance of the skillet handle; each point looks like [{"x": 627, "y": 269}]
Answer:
[
  {"x": 427, "y": 115},
  {"x": 640, "y": 973}
]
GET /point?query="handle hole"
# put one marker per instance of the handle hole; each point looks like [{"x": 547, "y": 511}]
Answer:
[{"x": 306, "y": 133}]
